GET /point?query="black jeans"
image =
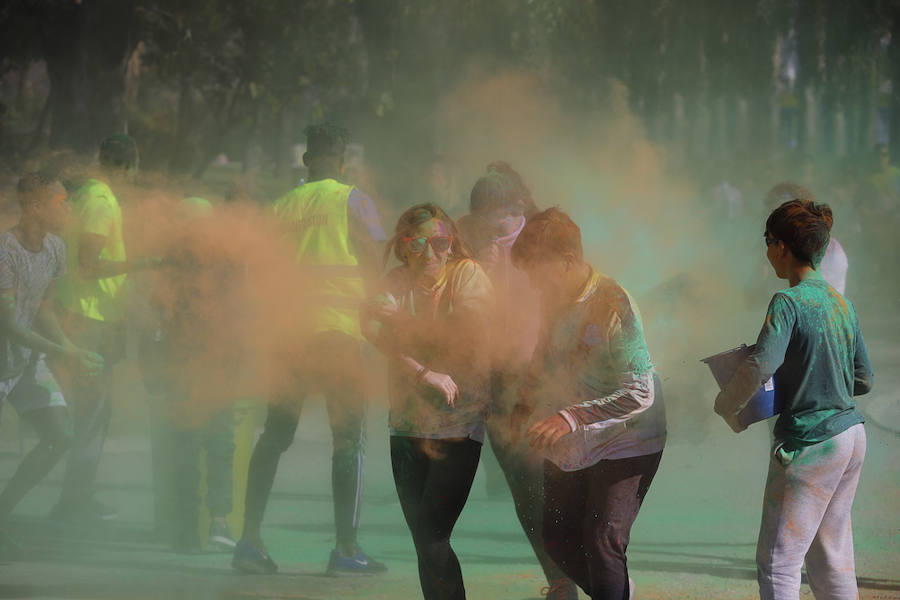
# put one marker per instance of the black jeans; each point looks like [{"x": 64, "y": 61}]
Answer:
[
  {"x": 346, "y": 414},
  {"x": 587, "y": 520},
  {"x": 433, "y": 479}
]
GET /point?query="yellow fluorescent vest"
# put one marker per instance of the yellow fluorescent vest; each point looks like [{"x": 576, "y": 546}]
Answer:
[
  {"x": 315, "y": 219},
  {"x": 96, "y": 211}
]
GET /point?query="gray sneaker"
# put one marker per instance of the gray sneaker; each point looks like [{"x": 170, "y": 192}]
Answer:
[{"x": 220, "y": 536}]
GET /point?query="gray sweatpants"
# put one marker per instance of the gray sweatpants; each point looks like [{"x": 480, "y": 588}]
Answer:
[{"x": 806, "y": 514}]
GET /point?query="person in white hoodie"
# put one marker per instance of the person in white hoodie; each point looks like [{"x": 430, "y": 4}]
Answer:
[{"x": 600, "y": 420}]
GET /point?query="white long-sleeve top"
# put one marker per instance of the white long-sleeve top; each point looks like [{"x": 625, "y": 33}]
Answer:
[{"x": 593, "y": 368}]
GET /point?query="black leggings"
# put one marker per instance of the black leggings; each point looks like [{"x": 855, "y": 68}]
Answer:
[
  {"x": 587, "y": 520},
  {"x": 346, "y": 415},
  {"x": 433, "y": 479}
]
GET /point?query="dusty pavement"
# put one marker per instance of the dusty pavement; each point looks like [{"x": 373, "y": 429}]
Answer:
[{"x": 695, "y": 536}]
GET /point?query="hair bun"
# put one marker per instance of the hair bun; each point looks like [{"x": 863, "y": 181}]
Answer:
[{"x": 823, "y": 211}]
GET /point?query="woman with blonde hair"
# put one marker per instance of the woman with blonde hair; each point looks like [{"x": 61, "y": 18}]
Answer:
[{"x": 429, "y": 319}]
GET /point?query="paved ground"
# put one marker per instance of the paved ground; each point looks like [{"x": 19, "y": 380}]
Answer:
[{"x": 695, "y": 536}]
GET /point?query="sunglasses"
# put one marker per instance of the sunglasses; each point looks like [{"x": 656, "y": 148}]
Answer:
[
  {"x": 769, "y": 240},
  {"x": 438, "y": 243}
]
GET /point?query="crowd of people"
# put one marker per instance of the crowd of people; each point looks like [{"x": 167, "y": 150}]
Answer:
[{"x": 494, "y": 326}]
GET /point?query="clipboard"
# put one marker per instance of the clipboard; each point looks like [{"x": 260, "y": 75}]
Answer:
[{"x": 764, "y": 404}]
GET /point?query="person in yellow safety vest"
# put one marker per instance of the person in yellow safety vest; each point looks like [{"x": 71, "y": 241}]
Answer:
[
  {"x": 92, "y": 297},
  {"x": 334, "y": 228}
]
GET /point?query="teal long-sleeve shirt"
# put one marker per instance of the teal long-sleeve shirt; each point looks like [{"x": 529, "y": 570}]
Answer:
[{"x": 812, "y": 344}]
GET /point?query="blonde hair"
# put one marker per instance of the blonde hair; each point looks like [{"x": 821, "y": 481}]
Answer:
[{"x": 415, "y": 216}]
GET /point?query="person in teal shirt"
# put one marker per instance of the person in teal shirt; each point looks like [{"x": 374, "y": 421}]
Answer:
[{"x": 811, "y": 343}]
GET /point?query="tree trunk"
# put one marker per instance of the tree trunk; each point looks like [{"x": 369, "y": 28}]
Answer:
[
  {"x": 86, "y": 46},
  {"x": 181, "y": 157}
]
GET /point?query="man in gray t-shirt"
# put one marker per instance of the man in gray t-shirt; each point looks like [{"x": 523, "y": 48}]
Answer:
[
  {"x": 31, "y": 259},
  {"x": 28, "y": 274}
]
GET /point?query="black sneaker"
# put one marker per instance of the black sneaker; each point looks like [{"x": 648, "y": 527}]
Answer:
[
  {"x": 358, "y": 564},
  {"x": 220, "y": 536},
  {"x": 248, "y": 559}
]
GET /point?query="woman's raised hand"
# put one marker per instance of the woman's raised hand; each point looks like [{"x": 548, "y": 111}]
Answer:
[{"x": 444, "y": 384}]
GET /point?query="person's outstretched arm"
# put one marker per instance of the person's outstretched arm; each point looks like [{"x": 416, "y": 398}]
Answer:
[
  {"x": 91, "y": 266},
  {"x": 771, "y": 346},
  {"x": 59, "y": 346}
]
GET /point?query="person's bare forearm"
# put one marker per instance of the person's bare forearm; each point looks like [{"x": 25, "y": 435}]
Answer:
[
  {"x": 394, "y": 352},
  {"x": 19, "y": 334},
  {"x": 104, "y": 269},
  {"x": 374, "y": 330},
  {"x": 48, "y": 325},
  {"x": 31, "y": 339}
]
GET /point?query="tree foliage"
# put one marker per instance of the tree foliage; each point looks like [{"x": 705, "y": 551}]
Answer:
[{"x": 201, "y": 77}]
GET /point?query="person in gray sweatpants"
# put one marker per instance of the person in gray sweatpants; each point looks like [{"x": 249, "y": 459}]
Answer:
[
  {"x": 812, "y": 344},
  {"x": 814, "y": 494}
]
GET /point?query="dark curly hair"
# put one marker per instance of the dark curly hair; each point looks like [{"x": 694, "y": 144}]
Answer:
[
  {"x": 32, "y": 185},
  {"x": 804, "y": 226},
  {"x": 415, "y": 216},
  {"x": 326, "y": 139}
]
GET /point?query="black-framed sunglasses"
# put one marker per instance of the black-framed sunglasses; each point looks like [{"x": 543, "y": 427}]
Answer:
[{"x": 769, "y": 240}]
